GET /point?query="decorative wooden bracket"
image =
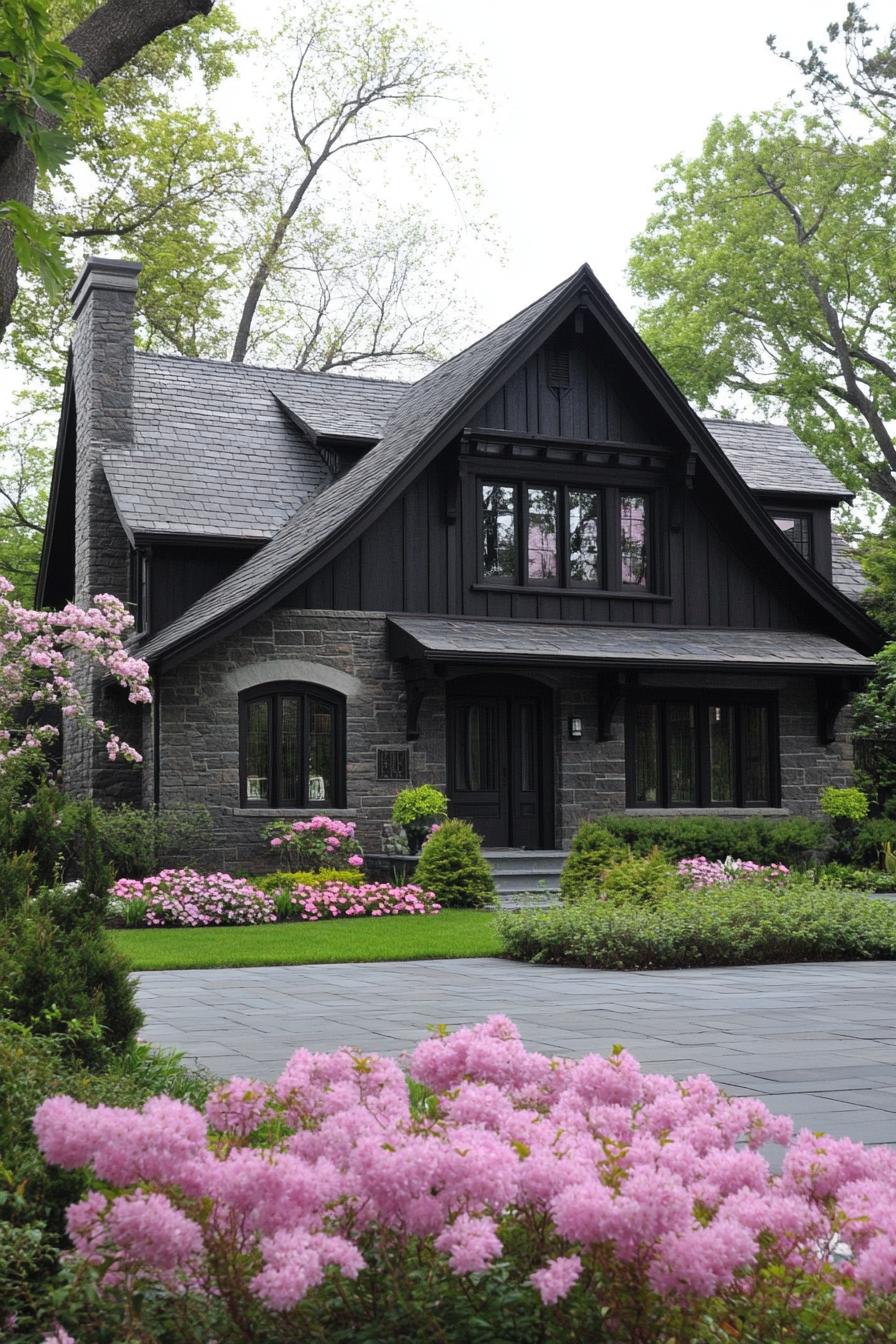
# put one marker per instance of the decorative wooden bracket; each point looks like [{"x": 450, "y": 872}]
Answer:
[
  {"x": 610, "y": 689},
  {"x": 417, "y": 677},
  {"x": 690, "y": 469},
  {"x": 833, "y": 694}
]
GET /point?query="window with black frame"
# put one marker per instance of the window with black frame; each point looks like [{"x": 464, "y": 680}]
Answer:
[
  {"x": 292, "y": 746},
  {"x": 706, "y": 750},
  {"x": 534, "y": 535},
  {"x": 797, "y": 528}
]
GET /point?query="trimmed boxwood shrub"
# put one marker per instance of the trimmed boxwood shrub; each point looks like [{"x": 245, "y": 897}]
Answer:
[
  {"x": 272, "y": 883},
  {"x": 790, "y": 841},
  {"x": 451, "y": 865},
  {"x": 732, "y": 925},
  {"x": 594, "y": 849}
]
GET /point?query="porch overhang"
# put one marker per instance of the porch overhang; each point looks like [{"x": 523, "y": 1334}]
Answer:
[{"x": 476, "y": 640}]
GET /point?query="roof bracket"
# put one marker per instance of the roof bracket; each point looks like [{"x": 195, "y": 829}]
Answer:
[
  {"x": 833, "y": 694},
  {"x": 610, "y": 688},
  {"x": 417, "y": 676}
]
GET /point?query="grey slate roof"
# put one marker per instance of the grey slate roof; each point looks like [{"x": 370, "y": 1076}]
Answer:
[
  {"x": 846, "y": 572},
  {"x": 214, "y": 454},
  {"x": 771, "y": 457},
  {"x": 419, "y": 413},
  {"x": 467, "y": 639}
]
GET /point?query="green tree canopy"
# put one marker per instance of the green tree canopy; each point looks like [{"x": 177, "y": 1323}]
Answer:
[{"x": 769, "y": 269}]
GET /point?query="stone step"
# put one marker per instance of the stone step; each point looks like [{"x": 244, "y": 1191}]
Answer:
[{"x": 522, "y": 870}]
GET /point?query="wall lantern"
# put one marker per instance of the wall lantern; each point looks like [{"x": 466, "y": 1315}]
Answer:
[{"x": 575, "y": 727}]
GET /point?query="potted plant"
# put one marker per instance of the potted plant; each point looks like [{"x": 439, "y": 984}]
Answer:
[{"x": 418, "y": 811}]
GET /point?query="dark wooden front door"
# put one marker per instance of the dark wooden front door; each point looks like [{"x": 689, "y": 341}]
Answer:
[{"x": 496, "y": 761}]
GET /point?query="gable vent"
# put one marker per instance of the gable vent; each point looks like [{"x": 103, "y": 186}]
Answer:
[{"x": 558, "y": 366}]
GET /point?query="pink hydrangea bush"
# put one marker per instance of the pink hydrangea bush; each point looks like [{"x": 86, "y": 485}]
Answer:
[
  {"x": 610, "y": 1204},
  {"x": 701, "y": 872},
  {"x": 340, "y": 900},
  {"x": 183, "y": 898},
  {"x": 39, "y": 656},
  {"x": 320, "y": 842}
]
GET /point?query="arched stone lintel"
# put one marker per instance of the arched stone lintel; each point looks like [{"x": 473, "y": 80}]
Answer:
[{"x": 292, "y": 669}]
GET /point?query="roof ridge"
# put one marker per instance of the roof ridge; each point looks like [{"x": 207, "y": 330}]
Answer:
[
  {"x": 755, "y": 424},
  {"x": 277, "y": 368}
]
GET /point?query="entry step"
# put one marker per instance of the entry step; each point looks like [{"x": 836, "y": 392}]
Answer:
[{"x": 526, "y": 870}]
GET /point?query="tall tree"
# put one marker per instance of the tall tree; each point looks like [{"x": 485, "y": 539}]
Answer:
[
  {"x": 768, "y": 267},
  {"x": 42, "y": 86}
]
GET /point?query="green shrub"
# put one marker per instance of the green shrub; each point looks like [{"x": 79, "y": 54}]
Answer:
[
  {"x": 735, "y": 925},
  {"x": 593, "y": 850},
  {"x": 416, "y": 810},
  {"x": 791, "y": 840},
  {"x": 640, "y": 878},
  {"x": 850, "y": 804},
  {"x": 138, "y": 841},
  {"x": 272, "y": 883},
  {"x": 451, "y": 865},
  {"x": 58, "y": 966},
  {"x": 868, "y": 843},
  {"x": 33, "y": 1196}
]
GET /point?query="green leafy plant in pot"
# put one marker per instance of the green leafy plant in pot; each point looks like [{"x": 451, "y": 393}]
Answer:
[
  {"x": 847, "y": 809},
  {"x": 417, "y": 811}
]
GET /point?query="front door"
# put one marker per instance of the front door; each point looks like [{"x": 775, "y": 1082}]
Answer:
[{"x": 496, "y": 761}]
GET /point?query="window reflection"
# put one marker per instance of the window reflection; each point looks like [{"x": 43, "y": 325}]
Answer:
[
  {"x": 584, "y": 536},
  {"x": 541, "y": 540},
  {"x": 633, "y": 538},
  {"x": 498, "y": 531}
]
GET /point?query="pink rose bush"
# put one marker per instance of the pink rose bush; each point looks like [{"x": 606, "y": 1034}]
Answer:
[
  {"x": 602, "y": 1202},
  {"x": 701, "y": 872},
  {"x": 320, "y": 842},
  {"x": 39, "y": 656},
  {"x": 183, "y": 898},
  {"x": 340, "y": 900}
]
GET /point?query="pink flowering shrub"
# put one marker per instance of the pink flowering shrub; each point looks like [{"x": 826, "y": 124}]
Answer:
[
  {"x": 39, "y": 656},
  {"x": 546, "y": 1199},
  {"x": 321, "y": 842},
  {"x": 183, "y": 898},
  {"x": 701, "y": 872},
  {"x": 336, "y": 900}
]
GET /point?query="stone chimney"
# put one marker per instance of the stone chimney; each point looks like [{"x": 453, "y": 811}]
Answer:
[
  {"x": 103, "y": 370},
  {"x": 103, "y": 375}
]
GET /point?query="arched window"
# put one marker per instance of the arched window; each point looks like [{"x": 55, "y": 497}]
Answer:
[{"x": 292, "y": 746}]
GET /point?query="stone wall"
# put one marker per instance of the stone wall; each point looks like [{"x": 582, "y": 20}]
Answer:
[{"x": 199, "y": 709}]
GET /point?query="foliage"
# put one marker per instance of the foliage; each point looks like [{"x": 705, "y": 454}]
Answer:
[
  {"x": 456, "y": 933},
  {"x": 38, "y": 650},
  {"x": 790, "y": 841},
  {"x": 344, "y": 900},
  {"x": 846, "y": 804},
  {"x": 424, "y": 803},
  {"x": 842, "y": 877},
  {"x": 276, "y": 884},
  {"x": 322, "y": 842},
  {"x": 451, "y": 865},
  {"x": 727, "y": 925},
  {"x": 523, "y": 1199},
  {"x": 874, "y": 711},
  {"x": 59, "y": 968},
  {"x": 183, "y": 898},
  {"x": 767, "y": 270},
  {"x": 33, "y": 1197},
  {"x": 869, "y": 841},
  {"x": 638, "y": 878},
  {"x": 594, "y": 849},
  {"x": 135, "y": 840}
]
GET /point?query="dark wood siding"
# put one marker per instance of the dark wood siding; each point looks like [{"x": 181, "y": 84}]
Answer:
[{"x": 179, "y": 575}]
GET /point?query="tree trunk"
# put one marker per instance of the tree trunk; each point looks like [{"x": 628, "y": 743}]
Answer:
[{"x": 107, "y": 39}]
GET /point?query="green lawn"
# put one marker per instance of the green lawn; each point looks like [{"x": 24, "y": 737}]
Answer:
[{"x": 453, "y": 933}]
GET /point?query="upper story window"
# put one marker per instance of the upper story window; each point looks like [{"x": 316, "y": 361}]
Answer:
[
  {"x": 292, "y": 746},
  {"x": 797, "y": 528},
  {"x": 538, "y": 535},
  {"x": 138, "y": 585}
]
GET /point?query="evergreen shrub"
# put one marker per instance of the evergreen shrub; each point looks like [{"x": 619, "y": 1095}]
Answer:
[{"x": 452, "y": 867}]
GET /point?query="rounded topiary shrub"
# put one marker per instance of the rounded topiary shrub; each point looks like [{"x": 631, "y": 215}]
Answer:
[
  {"x": 594, "y": 850},
  {"x": 452, "y": 867}
]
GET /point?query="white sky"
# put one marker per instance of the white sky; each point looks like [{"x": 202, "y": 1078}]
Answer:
[{"x": 591, "y": 97}]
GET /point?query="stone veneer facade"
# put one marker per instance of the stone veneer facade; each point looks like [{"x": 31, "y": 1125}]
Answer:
[{"x": 347, "y": 651}]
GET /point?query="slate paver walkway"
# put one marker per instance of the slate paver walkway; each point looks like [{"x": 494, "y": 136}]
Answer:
[{"x": 814, "y": 1041}]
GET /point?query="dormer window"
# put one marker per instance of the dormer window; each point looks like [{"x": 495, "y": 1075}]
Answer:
[
  {"x": 797, "y": 528},
  {"x": 563, "y": 536}
]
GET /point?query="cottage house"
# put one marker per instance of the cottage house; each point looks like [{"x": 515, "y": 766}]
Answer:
[{"x": 534, "y": 577}]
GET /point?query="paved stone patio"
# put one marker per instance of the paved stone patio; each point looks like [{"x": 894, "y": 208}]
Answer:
[{"x": 815, "y": 1041}]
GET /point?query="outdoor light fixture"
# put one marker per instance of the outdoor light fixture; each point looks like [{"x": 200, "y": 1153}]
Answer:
[{"x": 575, "y": 727}]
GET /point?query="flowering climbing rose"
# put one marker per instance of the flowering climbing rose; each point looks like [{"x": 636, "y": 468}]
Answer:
[
  {"x": 636, "y": 1204},
  {"x": 39, "y": 653}
]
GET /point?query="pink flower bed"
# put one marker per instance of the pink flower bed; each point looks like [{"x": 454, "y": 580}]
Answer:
[
  {"x": 645, "y": 1197},
  {"x": 339, "y": 900},
  {"x": 183, "y": 898},
  {"x": 701, "y": 872},
  {"x": 320, "y": 842}
]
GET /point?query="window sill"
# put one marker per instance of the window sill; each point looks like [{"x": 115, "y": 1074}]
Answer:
[
  {"x": 297, "y": 812},
  {"x": 720, "y": 811},
  {"x": 545, "y": 590}
]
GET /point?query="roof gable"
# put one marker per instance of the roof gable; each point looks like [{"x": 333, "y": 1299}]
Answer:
[{"x": 427, "y": 416}]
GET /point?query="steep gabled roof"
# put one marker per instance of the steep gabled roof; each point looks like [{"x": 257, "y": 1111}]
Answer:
[{"x": 429, "y": 414}]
